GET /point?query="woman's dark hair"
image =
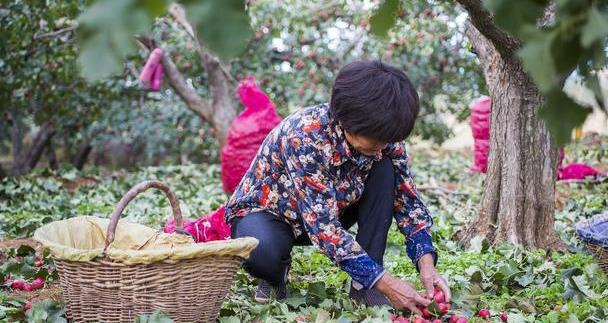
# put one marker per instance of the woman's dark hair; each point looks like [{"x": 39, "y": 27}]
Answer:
[{"x": 375, "y": 100}]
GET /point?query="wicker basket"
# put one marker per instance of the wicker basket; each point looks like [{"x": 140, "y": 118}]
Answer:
[
  {"x": 109, "y": 290},
  {"x": 594, "y": 233}
]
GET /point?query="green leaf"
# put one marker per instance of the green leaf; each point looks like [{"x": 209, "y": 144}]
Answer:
[
  {"x": 516, "y": 18},
  {"x": 154, "y": 8},
  {"x": 317, "y": 290},
  {"x": 106, "y": 31},
  {"x": 25, "y": 250},
  {"x": 434, "y": 309},
  {"x": 580, "y": 284},
  {"x": 595, "y": 29},
  {"x": 538, "y": 49},
  {"x": 562, "y": 115},
  {"x": 156, "y": 317},
  {"x": 46, "y": 310},
  {"x": 384, "y": 18},
  {"x": 296, "y": 302},
  {"x": 478, "y": 244},
  {"x": 222, "y": 25}
]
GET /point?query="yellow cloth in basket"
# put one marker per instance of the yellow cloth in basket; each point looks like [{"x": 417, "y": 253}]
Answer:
[{"x": 83, "y": 239}]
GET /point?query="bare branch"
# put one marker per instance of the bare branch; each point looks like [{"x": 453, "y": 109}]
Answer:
[
  {"x": 193, "y": 101},
  {"x": 481, "y": 18},
  {"x": 179, "y": 14},
  {"x": 55, "y": 33}
]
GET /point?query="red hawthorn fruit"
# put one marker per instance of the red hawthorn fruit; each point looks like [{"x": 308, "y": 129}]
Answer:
[
  {"x": 419, "y": 320},
  {"x": 443, "y": 307},
  {"x": 324, "y": 14},
  {"x": 439, "y": 296},
  {"x": 38, "y": 263},
  {"x": 484, "y": 313},
  {"x": 436, "y": 321},
  {"x": 17, "y": 284},
  {"x": 38, "y": 283},
  {"x": 504, "y": 316},
  {"x": 457, "y": 319},
  {"x": 425, "y": 313},
  {"x": 300, "y": 64},
  {"x": 399, "y": 319},
  {"x": 27, "y": 287},
  {"x": 28, "y": 305}
]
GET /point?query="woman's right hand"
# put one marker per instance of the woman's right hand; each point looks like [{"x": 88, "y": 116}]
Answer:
[{"x": 401, "y": 294}]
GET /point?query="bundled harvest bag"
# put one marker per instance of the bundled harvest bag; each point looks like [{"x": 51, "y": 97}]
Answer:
[{"x": 247, "y": 133}]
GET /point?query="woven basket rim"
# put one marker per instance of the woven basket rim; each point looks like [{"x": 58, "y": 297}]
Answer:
[{"x": 240, "y": 247}]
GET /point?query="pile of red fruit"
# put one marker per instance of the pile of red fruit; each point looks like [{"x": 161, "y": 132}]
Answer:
[
  {"x": 21, "y": 284},
  {"x": 444, "y": 307}
]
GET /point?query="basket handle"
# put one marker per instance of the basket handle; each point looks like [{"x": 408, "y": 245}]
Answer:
[{"x": 131, "y": 194}]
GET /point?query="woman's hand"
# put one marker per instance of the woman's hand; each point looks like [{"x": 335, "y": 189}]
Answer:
[
  {"x": 431, "y": 279},
  {"x": 401, "y": 294}
]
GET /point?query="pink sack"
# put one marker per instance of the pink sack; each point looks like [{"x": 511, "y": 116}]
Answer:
[
  {"x": 247, "y": 133},
  {"x": 480, "y": 126},
  {"x": 157, "y": 78},
  {"x": 153, "y": 60},
  {"x": 209, "y": 227},
  {"x": 577, "y": 171}
]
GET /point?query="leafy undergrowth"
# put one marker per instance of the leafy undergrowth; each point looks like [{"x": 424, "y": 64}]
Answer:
[{"x": 544, "y": 286}]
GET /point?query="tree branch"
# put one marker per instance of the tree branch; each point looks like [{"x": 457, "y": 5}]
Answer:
[
  {"x": 193, "y": 101},
  {"x": 481, "y": 18},
  {"x": 54, "y": 33},
  {"x": 28, "y": 161}
]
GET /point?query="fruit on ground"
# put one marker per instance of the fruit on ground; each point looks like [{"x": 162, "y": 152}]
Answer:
[
  {"x": 17, "y": 284},
  {"x": 504, "y": 316},
  {"x": 38, "y": 283},
  {"x": 484, "y": 313}
]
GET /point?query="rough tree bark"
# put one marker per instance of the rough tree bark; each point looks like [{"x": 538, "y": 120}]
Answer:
[
  {"x": 518, "y": 201},
  {"x": 51, "y": 155},
  {"x": 26, "y": 161},
  {"x": 84, "y": 150},
  {"x": 220, "y": 110}
]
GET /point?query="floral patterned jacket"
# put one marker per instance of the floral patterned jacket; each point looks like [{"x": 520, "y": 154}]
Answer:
[{"x": 306, "y": 168}]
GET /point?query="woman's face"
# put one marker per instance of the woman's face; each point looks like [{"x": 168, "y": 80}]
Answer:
[{"x": 366, "y": 146}]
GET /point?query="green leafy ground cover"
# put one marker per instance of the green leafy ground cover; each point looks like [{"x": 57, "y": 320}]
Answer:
[{"x": 543, "y": 286}]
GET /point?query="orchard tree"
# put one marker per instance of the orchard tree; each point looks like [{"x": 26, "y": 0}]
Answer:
[
  {"x": 527, "y": 50},
  {"x": 297, "y": 48},
  {"x": 41, "y": 88}
]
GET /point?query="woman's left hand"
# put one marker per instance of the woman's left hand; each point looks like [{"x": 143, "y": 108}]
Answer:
[{"x": 431, "y": 279}]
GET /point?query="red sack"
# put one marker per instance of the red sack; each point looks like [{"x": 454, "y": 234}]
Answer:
[
  {"x": 247, "y": 133},
  {"x": 209, "y": 227},
  {"x": 577, "y": 171},
  {"x": 480, "y": 126}
]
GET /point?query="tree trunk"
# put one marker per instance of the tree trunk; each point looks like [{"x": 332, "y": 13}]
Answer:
[
  {"x": 518, "y": 201},
  {"x": 84, "y": 150},
  {"x": 2, "y": 172},
  {"x": 51, "y": 156},
  {"x": 28, "y": 160},
  {"x": 16, "y": 136}
]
